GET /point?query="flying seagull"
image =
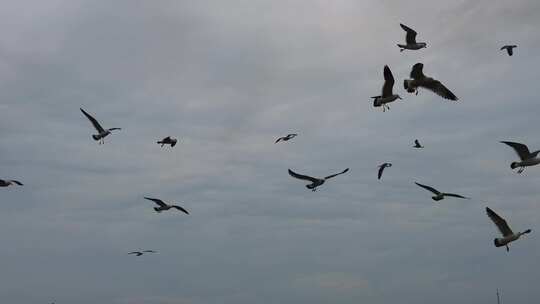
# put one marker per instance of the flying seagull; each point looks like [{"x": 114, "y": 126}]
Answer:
[
  {"x": 439, "y": 195},
  {"x": 163, "y": 206},
  {"x": 527, "y": 158},
  {"x": 286, "y": 138},
  {"x": 139, "y": 253},
  {"x": 386, "y": 95},
  {"x": 102, "y": 133},
  {"x": 9, "y": 182},
  {"x": 411, "y": 40},
  {"x": 509, "y": 49},
  {"x": 421, "y": 80},
  {"x": 508, "y": 235},
  {"x": 315, "y": 182},
  {"x": 381, "y": 169},
  {"x": 417, "y": 144},
  {"x": 168, "y": 141}
]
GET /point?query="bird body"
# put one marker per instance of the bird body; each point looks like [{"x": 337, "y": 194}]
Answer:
[
  {"x": 286, "y": 138},
  {"x": 102, "y": 133},
  {"x": 509, "y": 49},
  {"x": 381, "y": 169},
  {"x": 508, "y": 235},
  {"x": 162, "y": 206},
  {"x": 439, "y": 195},
  {"x": 9, "y": 182},
  {"x": 386, "y": 95},
  {"x": 315, "y": 182},
  {"x": 527, "y": 158},
  {"x": 410, "y": 39},
  {"x": 420, "y": 80},
  {"x": 168, "y": 141},
  {"x": 417, "y": 144}
]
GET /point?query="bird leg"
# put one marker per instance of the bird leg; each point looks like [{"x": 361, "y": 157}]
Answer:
[
  {"x": 416, "y": 91},
  {"x": 507, "y": 248}
]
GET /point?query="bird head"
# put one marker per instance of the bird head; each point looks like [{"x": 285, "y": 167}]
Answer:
[{"x": 527, "y": 231}]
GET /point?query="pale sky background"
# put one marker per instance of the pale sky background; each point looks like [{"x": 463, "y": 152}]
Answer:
[{"x": 227, "y": 78}]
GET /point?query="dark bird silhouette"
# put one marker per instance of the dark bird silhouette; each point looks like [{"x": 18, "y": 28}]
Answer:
[
  {"x": 410, "y": 39},
  {"x": 527, "y": 158},
  {"x": 417, "y": 144},
  {"x": 386, "y": 96},
  {"x": 163, "y": 206},
  {"x": 315, "y": 182},
  {"x": 381, "y": 169},
  {"x": 439, "y": 195},
  {"x": 509, "y": 49},
  {"x": 286, "y": 138},
  {"x": 9, "y": 182},
  {"x": 102, "y": 133},
  {"x": 168, "y": 141},
  {"x": 508, "y": 235},
  {"x": 421, "y": 80},
  {"x": 139, "y": 253}
]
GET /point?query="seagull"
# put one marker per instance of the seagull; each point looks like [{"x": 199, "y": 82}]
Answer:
[
  {"x": 315, "y": 182},
  {"x": 9, "y": 182},
  {"x": 411, "y": 40},
  {"x": 286, "y": 138},
  {"x": 139, "y": 253},
  {"x": 102, "y": 133},
  {"x": 508, "y": 235},
  {"x": 168, "y": 141},
  {"x": 527, "y": 158},
  {"x": 381, "y": 169},
  {"x": 417, "y": 144},
  {"x": 509, "y": 49},
  {"x": 421, "y": 80},
  {"x": 439, "y": 195},
  {"x": 163, "y": 206},
  {"x": 386, "y": 96}
]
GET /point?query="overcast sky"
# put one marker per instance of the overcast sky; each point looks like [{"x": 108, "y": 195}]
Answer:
[{"x": 227, "y": 78}]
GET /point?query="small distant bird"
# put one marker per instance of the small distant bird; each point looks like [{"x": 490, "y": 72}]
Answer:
[
  {"x": 439, "y": 195},
  {"x": 381, "y": 169},
  {"x": 9, "y": 182},
  {"x": 386, "y": 96},
  {"x": 168, "y": 141},
  {"x": 102, "y": 133},
  {"x": 139, "y": 253},
  {"x": 163, "y": 206},
  {"x": 508, "y": 235},
  {"x": 421, "y": 80},
  {"x": 509, "y": 49},
  {"x": 527, "y": 158},
  {"x": 411, "y": 40},
  {"x": 286, "y": 138},
  {"x": 315, "y": 182},
  {"x": 417, "y": 144}
]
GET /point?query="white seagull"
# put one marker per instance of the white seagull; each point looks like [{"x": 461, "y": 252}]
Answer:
[
  {"x": 286, "y": 138},
  {"x": 163, "y": 206},
  {"x": 386, "y": 95},
  {"x": 508, "y": 235},
  {"x": 527, "y": 158},
  {"x": 509, "y": 49},
  {"x": 421, "y": 80},
  {"x": 381, "y": 169},
  {"x": 315, "y": 182},
  {"x": 9, "y": 182},
  {"x": 439, "y": 195},
  {"x": 102, "y": 133},
  {"x": 411, "y": 40},
  {"x": 168, "y": 141}
]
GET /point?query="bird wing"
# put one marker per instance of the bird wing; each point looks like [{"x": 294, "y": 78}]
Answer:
[
  {"x": 16, "y": 182},
  {"x": 428, "y": 188},
  {"x": 381, "y": 169},
  {"x": 94, "y": 122},
  {"x": 416, "y": 72},
  {"x": 388, "y": 82},
  {"x": 279, "y": 139},
  {"x": 438, "y": 88},
  {"x": 499, "y": 222},
  {"x": 411, "y": 34},
  {"x": 334, "y": 175},
  {"x": 157, "y": 201},
  {"x": 180, "y": 208},
  {"x": 138, "y": 253},
  {"x": 304, "y": 177},
  {"x": 521, "y": 149},
  {"x": 455, "y": 195},
  {"x": 112, "y": 129},
  {"x": 150, "y": 251}
]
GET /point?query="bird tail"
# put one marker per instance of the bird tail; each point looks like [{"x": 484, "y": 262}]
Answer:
[
  {"x": 96, "y": 137},
  {"x": 513, "y": 165},
  {"x": 157, "y": 209}
]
